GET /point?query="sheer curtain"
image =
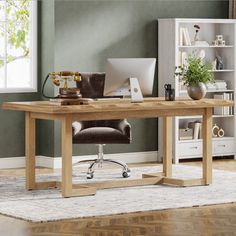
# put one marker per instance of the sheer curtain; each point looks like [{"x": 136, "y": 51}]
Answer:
[{"x": 232, "y": 9}]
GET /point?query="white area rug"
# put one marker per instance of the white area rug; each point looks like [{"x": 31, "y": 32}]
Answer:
[{"x": 48, "y": 205}]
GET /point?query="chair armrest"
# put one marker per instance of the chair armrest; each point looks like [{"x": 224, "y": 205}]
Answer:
[
  {"x": 124, "y": 127},
  {"x": 77, "y": 127}
]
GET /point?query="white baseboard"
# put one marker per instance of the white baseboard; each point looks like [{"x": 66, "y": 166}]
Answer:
[
  {"x": 50, "y": 162},
  {"x": 19, "y": 162},
  {"x": 12, "y": 162}
]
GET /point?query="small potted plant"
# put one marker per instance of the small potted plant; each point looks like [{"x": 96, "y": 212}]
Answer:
[{"x": 195, "y": 75}]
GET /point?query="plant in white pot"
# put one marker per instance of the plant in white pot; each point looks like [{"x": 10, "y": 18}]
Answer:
[{"x": 195, "y": 75}]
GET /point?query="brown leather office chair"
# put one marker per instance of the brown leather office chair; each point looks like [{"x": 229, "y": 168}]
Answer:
[{"x": 99, "y": 132}]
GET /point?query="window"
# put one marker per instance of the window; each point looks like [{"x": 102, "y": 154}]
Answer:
[{"x": 18, "y": 49}]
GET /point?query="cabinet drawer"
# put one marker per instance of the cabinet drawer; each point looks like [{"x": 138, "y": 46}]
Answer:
[
  {"x": 223, "y": 147},
  {"x": 190, "y": 149}
]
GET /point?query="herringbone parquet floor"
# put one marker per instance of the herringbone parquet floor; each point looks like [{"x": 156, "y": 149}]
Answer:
[{"x": 216, "y": 220}]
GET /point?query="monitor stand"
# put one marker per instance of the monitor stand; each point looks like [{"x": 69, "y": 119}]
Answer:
[{"x": 136, "y": 93}]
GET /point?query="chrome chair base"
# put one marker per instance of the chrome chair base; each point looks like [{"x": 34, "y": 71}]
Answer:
[{"x": 100, "y": 160}]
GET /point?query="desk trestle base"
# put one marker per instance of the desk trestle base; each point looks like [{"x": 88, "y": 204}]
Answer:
[{"x": 91, "y": 188}]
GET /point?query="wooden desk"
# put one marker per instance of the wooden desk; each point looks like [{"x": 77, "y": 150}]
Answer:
[{"x": 99, "y": 110}]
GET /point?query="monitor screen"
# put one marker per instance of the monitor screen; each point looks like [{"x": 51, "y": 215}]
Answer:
[{"x": 120, "y": 70}]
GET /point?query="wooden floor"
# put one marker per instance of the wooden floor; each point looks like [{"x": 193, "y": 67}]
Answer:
[{"x": 215, "y": 220}]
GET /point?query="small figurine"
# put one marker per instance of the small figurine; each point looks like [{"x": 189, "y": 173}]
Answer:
[
  {"x": 219, "y": 41},
  {"x": 219, "y": 63}
]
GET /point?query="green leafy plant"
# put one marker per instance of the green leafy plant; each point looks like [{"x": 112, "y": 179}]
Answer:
[{"x": 194, "y": 72}]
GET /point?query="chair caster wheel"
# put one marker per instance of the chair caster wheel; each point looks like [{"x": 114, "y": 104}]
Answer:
[
  {"x": 126, "y": 173},
  {"x": 89, "y": 175}
]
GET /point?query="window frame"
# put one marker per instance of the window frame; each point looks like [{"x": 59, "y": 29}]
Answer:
[{"x": 33, "y": 47}]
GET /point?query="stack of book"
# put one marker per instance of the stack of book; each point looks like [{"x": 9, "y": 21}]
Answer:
[
  {"x": 211, "y": 86},
  {"x": 217, "y": 85},
  {"x": 184, "y": 38},
  {"x": 223, "y": 110},
  {"x": 220, "y": 84}
]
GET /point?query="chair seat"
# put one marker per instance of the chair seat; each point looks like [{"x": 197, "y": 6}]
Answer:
[{"x": 100, "y": 135}]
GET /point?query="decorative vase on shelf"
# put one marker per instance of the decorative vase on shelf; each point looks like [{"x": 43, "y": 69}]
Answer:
[
  {"x": 197, "y": 92},
  {"x": 196, "y": 36}
]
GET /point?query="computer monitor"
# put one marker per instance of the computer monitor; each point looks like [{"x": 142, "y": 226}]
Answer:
[{"x": 130, "y": 76}]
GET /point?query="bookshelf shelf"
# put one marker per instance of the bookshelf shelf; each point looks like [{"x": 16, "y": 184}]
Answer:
[
  {"x": 200, "y": 140},
  {"x": 199, "y": 117},
  {"x": 205, "y": 46},
  {"x": 225, "y": 70},
  {"x": 220, "y": 90},
  {"x": 184, "y": 92},
  {"x": 174, "y": 46}
]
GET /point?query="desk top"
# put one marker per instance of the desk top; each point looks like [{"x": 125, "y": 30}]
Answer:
[{"x": 123, "y": 105}]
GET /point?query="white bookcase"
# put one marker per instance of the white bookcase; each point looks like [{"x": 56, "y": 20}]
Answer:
[{"x": 170, "y": 50}]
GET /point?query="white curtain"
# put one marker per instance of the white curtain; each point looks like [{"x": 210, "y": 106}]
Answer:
[{"x": 232, "y": 9}]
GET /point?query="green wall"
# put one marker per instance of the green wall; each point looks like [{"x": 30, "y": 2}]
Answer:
[
  {"x": 12, "y": 126},
  {"x": 89, "y": 32},
  {"x": 47, "y": 58},
  {"x": 79, "y": 36}
]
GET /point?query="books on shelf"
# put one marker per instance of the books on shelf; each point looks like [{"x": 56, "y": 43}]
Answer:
[
  {"x": 201, "y": 43},
  {"x": 184, "y": 38},
  {"x": 211, "y": 86},
  {"x": 223, "y": 110},
  {"x": 196, "y": 126},
  {"x": 181, "y": 36},
  {"x": 217, "y": 85},
  {"x": 220, "y": 84}
]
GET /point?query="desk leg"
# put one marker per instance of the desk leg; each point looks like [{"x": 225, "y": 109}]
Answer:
[
  {"x": 66, "y": 149},
  {"x": 207, "y": 146},
  {"x": 167, "y": 146},
  {"x": 30, "y": 151}
]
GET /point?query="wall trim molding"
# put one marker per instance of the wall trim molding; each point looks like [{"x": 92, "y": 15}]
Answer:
[{"x": 50, "y": 162}]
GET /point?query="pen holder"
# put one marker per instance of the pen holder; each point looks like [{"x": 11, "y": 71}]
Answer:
[{"x": 169, "y": 93}]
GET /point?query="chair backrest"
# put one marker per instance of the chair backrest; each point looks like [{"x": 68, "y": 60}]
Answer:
[{"x": 91, "y": 85}]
